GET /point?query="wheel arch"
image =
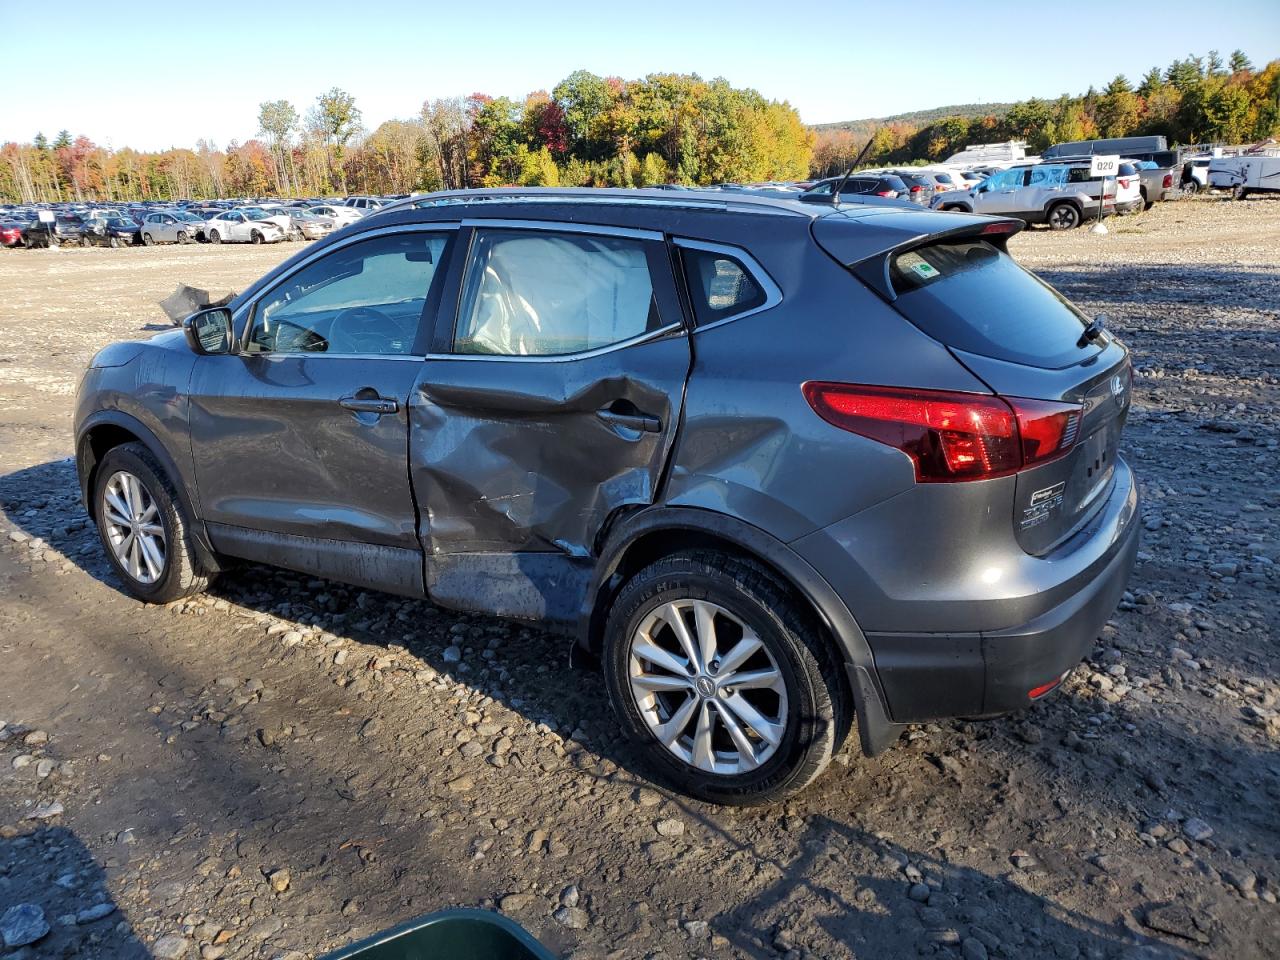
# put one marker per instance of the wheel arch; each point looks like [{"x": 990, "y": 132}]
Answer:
[
  {"x": 643, "y": 536},
  {"x": 108, "y": 429}
]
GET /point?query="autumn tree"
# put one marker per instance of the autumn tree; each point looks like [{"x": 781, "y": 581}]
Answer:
[
  {"x": 336, "y": 119},
  {"x": 277, "y": 120}
]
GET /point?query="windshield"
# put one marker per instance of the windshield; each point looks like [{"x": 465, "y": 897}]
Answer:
[{"x": 255, "y": 214}]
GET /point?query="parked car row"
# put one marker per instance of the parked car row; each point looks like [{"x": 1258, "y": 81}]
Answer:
[{"x": 149, "y": 223}]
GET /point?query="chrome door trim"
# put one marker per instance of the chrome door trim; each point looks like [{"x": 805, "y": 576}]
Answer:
[
  {"x": 658, "y": 334},
  {"x": 560, "y": 226}
]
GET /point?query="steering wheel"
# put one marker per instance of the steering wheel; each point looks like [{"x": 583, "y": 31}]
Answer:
[{"x": 363, "y": 330}]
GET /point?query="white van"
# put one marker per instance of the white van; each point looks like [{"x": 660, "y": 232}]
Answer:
[{"x": 1245, "y": 175}]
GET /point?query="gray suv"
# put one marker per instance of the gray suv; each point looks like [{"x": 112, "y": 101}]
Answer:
[{"x": 779, "y": 467}]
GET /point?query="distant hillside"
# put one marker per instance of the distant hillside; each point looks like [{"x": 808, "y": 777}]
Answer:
[{"x": 917, "y": 118}]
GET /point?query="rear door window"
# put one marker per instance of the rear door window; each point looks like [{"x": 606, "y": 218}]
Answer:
[
  {"x": 973, "y": 297},
  {"x": 536, "y": 293}
]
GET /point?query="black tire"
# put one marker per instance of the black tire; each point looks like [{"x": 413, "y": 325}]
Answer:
[
  {"x": 183, "y": 238},
  {"x": 215, "y": 237},
  {"x": 818, "y": 712},
  {"x": 147, "y": 240},
  {"x": 1063, "y": 216},
  {"x": 255, "y": 238},
  {"x": 1191, "y": 186},
  {"x": 181, "y": 575},
  {"x": 1239, "y": 192},
  {"x": 113, "y": 241}
]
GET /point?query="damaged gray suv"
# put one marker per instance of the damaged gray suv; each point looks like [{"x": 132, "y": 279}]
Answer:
[{"x": 781, "y": 468}]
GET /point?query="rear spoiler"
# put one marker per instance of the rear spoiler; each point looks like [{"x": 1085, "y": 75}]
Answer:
[{"x": 846, "y": 241}]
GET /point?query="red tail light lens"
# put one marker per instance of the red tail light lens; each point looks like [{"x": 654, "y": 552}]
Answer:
[
  {"x": 916, "y": 188},
  {"x": 1168, "y": 181},
  {"x": 950, "y": 436},
  {"x": 886, "y": 193}
]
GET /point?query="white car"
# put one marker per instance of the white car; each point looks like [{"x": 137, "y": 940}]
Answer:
[
  {"x": 1128, "y": 188},
  {"x": 171, "y": 227},
  {"x": 340, "y": 215},
  {"x": 243, "y": 226},
  {"x": 280, "y": 216}
]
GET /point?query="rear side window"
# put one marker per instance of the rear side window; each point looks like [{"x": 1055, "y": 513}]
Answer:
[
  {"x": 720, "y": 285},
  {"x": 973, "y": 297}
]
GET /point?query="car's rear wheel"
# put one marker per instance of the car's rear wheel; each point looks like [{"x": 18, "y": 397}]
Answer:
[
  {"x": 144, "y": 528},
  {"x": 717, "y": 672},
  {"x": 1063, "y": 216},
  {"x": 214, "y": 236}
]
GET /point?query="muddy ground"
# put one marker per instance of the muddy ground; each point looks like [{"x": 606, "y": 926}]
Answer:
[{"x": 288, "y": 764}]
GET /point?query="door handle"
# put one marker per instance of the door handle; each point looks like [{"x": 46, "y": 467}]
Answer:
[
  {"x": 632, "y": 419},
  {"x": 378, "y": 405}
]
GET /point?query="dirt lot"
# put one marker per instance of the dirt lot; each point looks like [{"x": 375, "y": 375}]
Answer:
[{"x": 288, "y": 764}]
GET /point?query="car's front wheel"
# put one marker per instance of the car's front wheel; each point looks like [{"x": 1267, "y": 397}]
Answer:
[
  {"x": 717, "y": 672},
  {"x": 144, "y": 528},
  {"x": 255, "y": 238}
]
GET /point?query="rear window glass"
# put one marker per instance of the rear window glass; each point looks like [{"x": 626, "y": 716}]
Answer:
[
  {"x": 973, "y": 297},
  {"x": 720, "y": 285}
]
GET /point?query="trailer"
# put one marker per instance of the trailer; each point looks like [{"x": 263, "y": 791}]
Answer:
[{"x": 1245, "y": 175}]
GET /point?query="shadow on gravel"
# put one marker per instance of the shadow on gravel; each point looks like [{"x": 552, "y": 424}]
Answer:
[
  {"x": 944, "y": 906},
  {"x": 321, "y": 808},
  {"x": 54, "y": 900}
]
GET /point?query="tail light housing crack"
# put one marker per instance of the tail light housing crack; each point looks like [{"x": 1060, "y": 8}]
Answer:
[{"x": 951, "y": 437}]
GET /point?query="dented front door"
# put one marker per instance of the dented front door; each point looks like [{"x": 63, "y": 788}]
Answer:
[{"x": 552, "y": 402}]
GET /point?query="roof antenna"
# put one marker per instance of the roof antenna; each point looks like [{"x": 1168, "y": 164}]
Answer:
[{"x": 835, "y": 194}]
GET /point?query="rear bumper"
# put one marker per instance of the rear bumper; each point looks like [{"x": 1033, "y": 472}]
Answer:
[{"x": 930, "y": 676}]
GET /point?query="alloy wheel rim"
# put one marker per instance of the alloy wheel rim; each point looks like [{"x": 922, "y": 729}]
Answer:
[
  {"x": 707, "y": 687},
  {"x": 131, "y": 520}
]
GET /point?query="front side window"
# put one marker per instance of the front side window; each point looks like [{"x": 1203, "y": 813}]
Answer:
[
  {"x": 366, "y": 298},
  {"x": 719, "y": 285},
  {"x": 539, "y": 293}
]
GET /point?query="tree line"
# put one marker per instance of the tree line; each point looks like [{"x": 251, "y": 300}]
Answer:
[
  {"x": 1195, "y": 100},
  {"x": 588, "y": 131},
  {"x": 606, "y": 131}
]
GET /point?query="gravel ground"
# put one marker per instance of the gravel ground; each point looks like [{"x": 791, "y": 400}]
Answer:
[{"x": 288, "y": 764}]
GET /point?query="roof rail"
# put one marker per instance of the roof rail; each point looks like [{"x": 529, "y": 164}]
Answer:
[{"x": 690, "y": 199}]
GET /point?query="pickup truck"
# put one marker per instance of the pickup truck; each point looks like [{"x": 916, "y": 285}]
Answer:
[{"x": 1157, "y": 183}]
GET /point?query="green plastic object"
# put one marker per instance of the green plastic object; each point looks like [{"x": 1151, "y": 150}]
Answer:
[{"x": 449, "y": 935}]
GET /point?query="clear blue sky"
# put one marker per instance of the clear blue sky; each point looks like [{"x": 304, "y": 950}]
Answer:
[{"x": 153, "y": 75}]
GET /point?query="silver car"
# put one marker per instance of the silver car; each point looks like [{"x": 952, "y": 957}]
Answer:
[
  {"x": 1052, "y": 193},
  {"x": 171, "y": 227}
]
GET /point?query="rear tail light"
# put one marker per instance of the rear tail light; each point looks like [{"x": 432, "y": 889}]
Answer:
[
  {"x": 917, "y": 188},
  {"x": 1168, "y": 181},
  {"x": 951, "y": 436}
]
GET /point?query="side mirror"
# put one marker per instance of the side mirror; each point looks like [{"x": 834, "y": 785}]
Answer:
[{"x": 209, "y": 331}]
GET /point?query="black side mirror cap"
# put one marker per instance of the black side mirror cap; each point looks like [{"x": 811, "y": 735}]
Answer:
[{"x": 208, "y": 331}]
